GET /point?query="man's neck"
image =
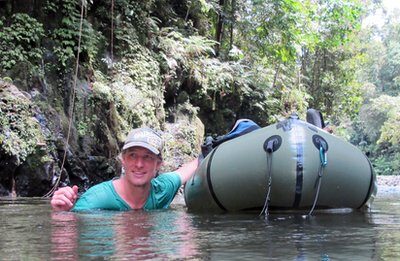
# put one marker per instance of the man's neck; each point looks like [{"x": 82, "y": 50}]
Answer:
[{"x": 134, "y": 196}]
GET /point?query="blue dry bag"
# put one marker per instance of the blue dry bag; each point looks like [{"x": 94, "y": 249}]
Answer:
[{"x": 241, "y": 127}]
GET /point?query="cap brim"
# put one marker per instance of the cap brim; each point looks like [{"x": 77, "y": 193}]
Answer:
[{"x": 143, "y": 145}]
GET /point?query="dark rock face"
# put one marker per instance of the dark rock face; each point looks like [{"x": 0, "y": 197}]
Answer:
[
  {"x": 32, "y": 180},
  {"x": 3, "y": 191},
  {"x": 100, "y": 169},
  {"x": 87, "y": 171},
  {"x": 8, "y": 165}
]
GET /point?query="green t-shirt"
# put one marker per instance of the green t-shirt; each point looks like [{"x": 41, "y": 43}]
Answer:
[{"x": 103, "y": 195}]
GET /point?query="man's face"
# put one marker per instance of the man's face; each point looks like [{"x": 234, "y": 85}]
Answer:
[{"x": 141, "y": 165}]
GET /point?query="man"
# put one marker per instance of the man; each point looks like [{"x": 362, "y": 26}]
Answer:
[{"x": 139, "y": 187}]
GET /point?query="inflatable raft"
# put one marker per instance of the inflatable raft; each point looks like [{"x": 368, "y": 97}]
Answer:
[{"x": 291, "y": 165}]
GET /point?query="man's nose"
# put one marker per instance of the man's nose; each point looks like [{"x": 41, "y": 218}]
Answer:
[{"x": 139, "y": 161}]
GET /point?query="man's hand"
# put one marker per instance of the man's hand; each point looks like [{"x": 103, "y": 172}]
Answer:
[
  {"x": 64, "y": 198},
  {"x": 328, "y": 129}
]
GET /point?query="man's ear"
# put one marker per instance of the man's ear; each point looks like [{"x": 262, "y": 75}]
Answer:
[
  {"x": 121, "y": 158},
  {"x": 159, "y": 165}
]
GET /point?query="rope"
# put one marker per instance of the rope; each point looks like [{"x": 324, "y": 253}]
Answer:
[
  {"x": 112, "y": 33},
  {"x": 324, "y": 162},
  {"x": 264, "y": 211},
  {"x": 54, "y": 188}
]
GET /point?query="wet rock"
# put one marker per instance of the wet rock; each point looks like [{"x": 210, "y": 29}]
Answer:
[
  {"x": 182, "y": 142},
  {"x": 4, "y": 191},
  {"x": 20, "y": 135},
  {"x": 100, "y": 168},
  {"x": 75, "y": 170},
  {"x": 8, "y": 165},
  {"x": 32, "y": 180}
]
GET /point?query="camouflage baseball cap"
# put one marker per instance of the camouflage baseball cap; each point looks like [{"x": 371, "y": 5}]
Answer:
[{"x": 146, "y": 138}]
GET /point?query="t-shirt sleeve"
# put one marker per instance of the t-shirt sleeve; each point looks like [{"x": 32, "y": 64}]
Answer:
[{"x": 165, "y": 187}]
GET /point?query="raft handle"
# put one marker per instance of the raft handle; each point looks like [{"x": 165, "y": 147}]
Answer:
[
  {"x": 272, "y": 144},
  {"x": 320, "y": 142},
  {"x": 323, "y": 147}
]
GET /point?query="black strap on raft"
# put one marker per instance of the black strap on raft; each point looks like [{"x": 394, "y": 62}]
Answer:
[
  {"x": 270, "y": 145},
  {"x": 323, "y": 148}
]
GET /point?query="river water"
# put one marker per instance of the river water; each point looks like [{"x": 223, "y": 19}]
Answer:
[{"x": 29, "y": 230}]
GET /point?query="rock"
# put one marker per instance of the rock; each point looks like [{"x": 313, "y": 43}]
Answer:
[
  {"x": 100, "y": 168},
  {"x": 20, "y": 135},
  {"x": 33, "y": 180},
  {"x": 4, "y": 191},
  {"x": 392, "y": 180},
  {"x": 182, "y": 142}
]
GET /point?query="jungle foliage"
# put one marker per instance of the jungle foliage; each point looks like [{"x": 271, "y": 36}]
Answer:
[
  {"x": 146, "y": 61},
  {"x": 378, "y": 123}
]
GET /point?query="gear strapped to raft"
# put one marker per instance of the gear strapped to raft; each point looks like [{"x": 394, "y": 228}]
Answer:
[
  {"x": 244, "y": 126},
  {"x": 241, "y": 127}
]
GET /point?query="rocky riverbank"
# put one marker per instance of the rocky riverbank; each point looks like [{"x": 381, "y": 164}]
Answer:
[{"x": 391, "y": 181}]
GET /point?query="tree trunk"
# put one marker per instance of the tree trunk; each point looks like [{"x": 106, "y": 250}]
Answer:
[
  {"x": 315, "y": 73},
  {"x": 220, "y": 27},
  {"x": 233, "y": 11},
  {"x": 23, "y": 6},
  {"x": 277, "y": 67},
  {"x": 6, "y": 10},
  {"x": 304, "y": 60}
]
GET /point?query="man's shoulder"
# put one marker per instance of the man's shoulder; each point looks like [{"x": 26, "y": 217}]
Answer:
[
  {"x": 169, "y": 181},
  {"x": 167, "y": 176},
  {"x": 163, "y": 190}
]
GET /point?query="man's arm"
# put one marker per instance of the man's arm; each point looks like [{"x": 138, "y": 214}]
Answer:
[
  {"x": 64, "y": 198},
  {"x": 187, "y": 170}
]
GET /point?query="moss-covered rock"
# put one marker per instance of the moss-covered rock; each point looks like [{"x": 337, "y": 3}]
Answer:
[
  {"x": 20, "y": 131},
  {"x": 137, "y": 90},
  {"x": 21, "y": 138},
  {"x": 35, "y": 175},
  {"x": 183, "y": 139}
]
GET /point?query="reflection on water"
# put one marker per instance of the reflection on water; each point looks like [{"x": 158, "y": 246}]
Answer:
[
  {"x": 121, "y": 235},
  {"x": 30, "y": 230}
]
